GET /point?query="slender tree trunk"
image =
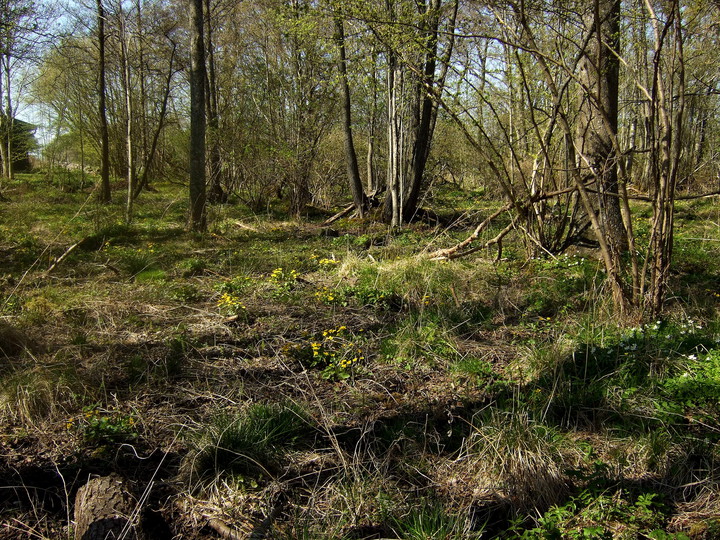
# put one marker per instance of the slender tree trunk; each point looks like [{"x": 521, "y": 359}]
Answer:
[
  {"x": 353, "y": 171},
  {"x": 197, "y": 117},
  {"x": 372, "y": 180},
  {"x": 9, "y": 118},
  {"x": 149, "y": 158},
  {"x": 668, "y": 112},
  {"x": 142, "y": 119},
  {"x": 396, "y": 155},
  {"x": 127, "y": 94},
  {"x": 3, "y": 130},
  {"x": 105, "y": 195},
  {"x": 216, "y": 194},
  {"x": 431, "y": 83}
]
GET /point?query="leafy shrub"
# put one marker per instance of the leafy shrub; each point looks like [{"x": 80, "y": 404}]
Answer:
[{"x": 98, "y": 425}]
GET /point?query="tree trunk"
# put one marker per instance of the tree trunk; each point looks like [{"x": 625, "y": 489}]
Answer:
[
  {"x": 197, "y": 118},
  {"x": 216, "y": 194},
  {"x": 105, "y": 195},
  {"x": 396, "y": 154},
  {"x": 598, "y": 125},
  {"x": 10, "y": 121},
  {"x": 429, "y": 85},
  {"x": 104, "y": 509},
  {"x": 353, "y": 170},
  {"x": 145, "y": 179},
  {"x": 127, "y": 94},
  {"x": 372, "y": 179}
]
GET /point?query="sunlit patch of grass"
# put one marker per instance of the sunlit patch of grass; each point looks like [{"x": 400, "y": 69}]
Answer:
[{"x": 420, "y": 343}]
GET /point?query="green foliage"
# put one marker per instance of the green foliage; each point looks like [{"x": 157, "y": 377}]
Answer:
[
  {"x": 193, "y": 267},
  {"x": 647, "y": 375},
  {"x": 284, "y": 281},
  {"x": 481, "y": 373},
  {"x": 559, "y": 285},
  {"x": 134, "y": 261},
  {"x": 338, "y": 352},
  {"x": 599, "y": 509},
  {"x": 695, "y": 391},
  {"x": 236, "y": 285},
  {"x": 420, "y": 341},
  {"x": 70, "y": 181},
  {"x": 231, "y": 304},
  {"x": 185, "y": 292},
  {"x": 430, "y": 521},
  {"x": 359, "y": 295},
  {"x": 99, "y": 426}
]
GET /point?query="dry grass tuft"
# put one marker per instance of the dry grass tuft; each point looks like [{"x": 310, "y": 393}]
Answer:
[{"x": 521, "y": 460}]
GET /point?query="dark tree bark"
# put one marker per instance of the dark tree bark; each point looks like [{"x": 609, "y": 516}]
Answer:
[
  {"x": 598, "y": 125},
  {"x": 105, "y": 194},
  {"x": 197, "y": 117},
  {"x": 353, "y": 170}
]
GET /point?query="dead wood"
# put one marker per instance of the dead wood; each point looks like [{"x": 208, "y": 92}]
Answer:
[
  {"x": 341, "y": 214},
  {"x": 455, "y": 251},
  {"x": 224, "y": 531},
  {"x": 62, "y": 257},
  {"x": 104, "y": 508}
]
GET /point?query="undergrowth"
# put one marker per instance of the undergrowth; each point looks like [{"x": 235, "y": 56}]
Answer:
[{"x": 350, "y": 383}]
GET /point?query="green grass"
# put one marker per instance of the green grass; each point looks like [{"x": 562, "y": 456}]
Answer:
[{"x": 504, "y": 390}]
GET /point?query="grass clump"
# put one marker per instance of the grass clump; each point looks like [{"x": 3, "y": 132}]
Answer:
[
  {"x": 251, "y": 442},
  {"x": 430, "y": 521},
  {"x": 524, "y": 456},
  {"x": 31, "y": 395}
]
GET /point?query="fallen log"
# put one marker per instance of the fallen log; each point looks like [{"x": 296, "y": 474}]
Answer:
[
  {"x": 104, "y": 508},
  {"x": 341, "y": 214}
]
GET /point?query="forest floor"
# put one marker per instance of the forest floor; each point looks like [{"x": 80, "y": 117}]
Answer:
[{"x": 306, "y": 381}]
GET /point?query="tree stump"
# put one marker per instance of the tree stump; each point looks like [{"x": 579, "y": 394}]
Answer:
[{"x": 104, "y": 509}]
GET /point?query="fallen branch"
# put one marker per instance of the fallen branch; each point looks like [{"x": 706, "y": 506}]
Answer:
[
  {"x": 341, "y": 214},
  {"x": 62, "y": 257},
  {"x": 224, "y": 531},
  {"x": 496, "y": 240},
  {"x": 452, "y": 252},
  {"x": 259, "y": 532}
]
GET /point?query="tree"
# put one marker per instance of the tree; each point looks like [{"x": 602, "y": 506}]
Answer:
[
  {"x": 416, "y": 73},
  {"x": 20, "y": 42},
  {"x": 197, "y": 117},
  {"x": 597, "y": 125},
  {"x": 105, "y": 195},
  {"x": 353, "y": 170}
]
